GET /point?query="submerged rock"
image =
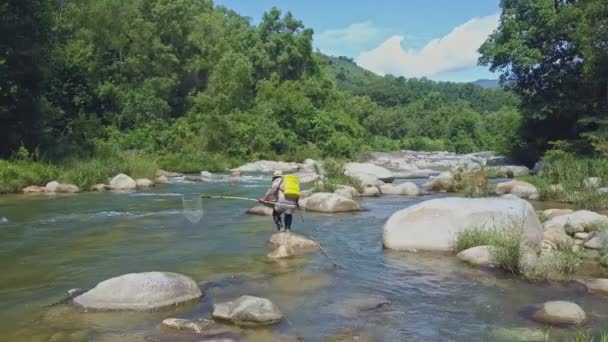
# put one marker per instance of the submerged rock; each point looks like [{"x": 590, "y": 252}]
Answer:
[
  {"x": 519, "y": 189},
  {"x": 478, "y": 256},
  {"x": 579, "y": 221},
  {"x": 281, "y": 252},
  {"x": 248, "y": 311},
  {"x": 329, "y": 203},
  {"x": 260, "y": 210},
  {"x": 144, "y": 183},
  {"x": 203, "y": 327},
  {"x": 293, "y": 242},
  {"x": 443, "y": 182},
  {"x": 140, "y": 291},
  {"x": 433, "y": 225},
  {"x": 191, "y": 178},
  {"x": 518, "y": 335},
  {"x": 162, "y": 180},
  {"x": 123, "y": 182},
  {"x": 404, "y": 189},
  {"x": 560, "y": 312}
]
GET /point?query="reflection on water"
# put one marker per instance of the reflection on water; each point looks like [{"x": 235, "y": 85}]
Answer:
[{"x": 51, "y": 244}]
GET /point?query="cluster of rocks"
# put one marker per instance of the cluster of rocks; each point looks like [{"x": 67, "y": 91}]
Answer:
[
  {"x": 308, "y": 171},
  {"x": 52, "y": 187},
  {"x": 565, "y": 227},
  {"x": 155, "y": 290},
  {"x": 428, "y": 162}
]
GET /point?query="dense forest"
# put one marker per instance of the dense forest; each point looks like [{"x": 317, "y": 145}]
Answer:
[
  {"x": 187, "y": 80},
  {"x": 190, "y": 83}
]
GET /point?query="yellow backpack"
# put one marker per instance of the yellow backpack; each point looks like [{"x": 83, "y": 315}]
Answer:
[{"x": 291, "y": 186}]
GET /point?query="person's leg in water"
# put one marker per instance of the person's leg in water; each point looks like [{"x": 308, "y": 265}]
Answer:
[
  {"x": 276, "y": 217},
  {"x": 288, "y": 219}
]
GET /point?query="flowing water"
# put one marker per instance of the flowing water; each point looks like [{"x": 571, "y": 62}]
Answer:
[{"x": 51, "y": 244}]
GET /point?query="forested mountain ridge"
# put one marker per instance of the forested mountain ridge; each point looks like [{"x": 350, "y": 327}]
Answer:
[{"x": 188, "y": 80}]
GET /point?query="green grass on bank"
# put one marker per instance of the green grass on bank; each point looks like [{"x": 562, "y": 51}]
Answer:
[
  {"x": 508, "y": 251},
  {"x": 15, "y": 175},
  {"x": 563, "y": 179}
]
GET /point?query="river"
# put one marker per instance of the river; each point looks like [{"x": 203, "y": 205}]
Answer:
[{"x": 51, "y": 244}]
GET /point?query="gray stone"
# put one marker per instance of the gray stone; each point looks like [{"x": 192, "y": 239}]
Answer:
[
  {"x": 100, "y": 187},
  {"x": 551, "y": 213},
  {"x": 576, "y": 222},
  {"x": 443, "y": 182},
  {"x": 206, "y": 174},
  {"x": 598, "y": 242},
  {"x": 371, "y": 191},
  {"x": 519, "y": 189},
  {"x": 57, "y": 187},
  {"x": 597, "y": 286},
  {"x": 34, "y": 189},
  {"x": 191, "y": 178},
  {"x": 292, "y": 242},
  {"x": 478, "y": 256},
  {"x": 248, "y": 311},
  {"x": 160, "y": 173},
  {"x": 140, "y": 291},
  {"x": 144, "y": 183},
  {"x": 368, "y": 173},
  {"x": 162, "y": 180},
  {"x": 560, "y": 312},
  {"x": 281, "y": 252},
  {"x": 329, "y": 203},
  {"x": 433, "y": 225},
  {"x": 581, "y": 236},
  {"x": 260, "y": 210},
  {"x": 592, "y": 182},
  {"x": 347, "y": 191},
  {"x": 404, "y": 189},
  {"x": 205, "y": 328},
  {"x": 123, "y": 182}
]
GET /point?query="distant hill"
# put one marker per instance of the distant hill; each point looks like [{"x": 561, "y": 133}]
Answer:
[
  {"x": 484, "y": 83},
  {"x": 392, "y": 91}
]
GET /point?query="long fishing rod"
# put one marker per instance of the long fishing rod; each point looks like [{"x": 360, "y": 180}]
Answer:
[{"x": 247, "y": 199}]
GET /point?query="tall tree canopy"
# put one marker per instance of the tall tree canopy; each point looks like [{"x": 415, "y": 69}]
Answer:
[{"x": 554, "y": 54}]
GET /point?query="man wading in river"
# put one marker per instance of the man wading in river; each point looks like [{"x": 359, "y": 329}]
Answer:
[{"x": 284, "y": 193}]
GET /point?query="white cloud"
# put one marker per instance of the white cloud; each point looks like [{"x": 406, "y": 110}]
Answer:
[
  {"x": 350, "y": 40},
  {"x": 455, "y": 51}
]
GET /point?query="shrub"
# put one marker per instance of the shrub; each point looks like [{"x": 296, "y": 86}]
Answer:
[
  {"x": 17, "y": 174},
  {"x": 334, "y": 176},
  {"x": 473, "y": 237},
  {"x": 472, "y": 184}
]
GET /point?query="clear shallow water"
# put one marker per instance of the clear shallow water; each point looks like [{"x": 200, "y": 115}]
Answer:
[{"x": 51, "y": 244}]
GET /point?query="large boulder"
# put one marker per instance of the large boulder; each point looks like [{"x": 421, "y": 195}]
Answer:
[
  {"x": 329, "y": 203},
  {"x": 433, "y": 225},
  {"x": 519, "y": 189},
  {"x": 140, "y": 291},
  {"x": 560, "y": 312},
  {"x": 599, "y": 241},
  {"x": 369, "y": 173},
  {"x": 266, "y": 166},
  {"x": 248, "y": 311},
  {"x": 308, "y": 177},
  {"x": 579, "y": 221},
  {"x": 123, "y": 182},
  {"x": 405, "y": 189},
  {"x": 162, "y": 180},
  {"x": 478, "y": 256},
  {"x": 443, "y": 182},
  {"x": 206, "y": 175},
  {"x": 260, "y": 210},
  {"x": 292, "y": 242},
  {"x": 144, "y": 183}
]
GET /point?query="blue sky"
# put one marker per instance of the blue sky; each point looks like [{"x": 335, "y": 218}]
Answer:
[{"x": 437, "y": 39}]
